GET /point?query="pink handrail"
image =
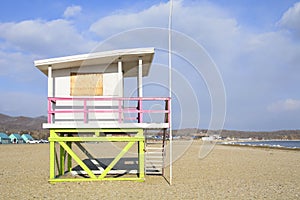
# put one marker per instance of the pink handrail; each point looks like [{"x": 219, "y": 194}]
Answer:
[{"x": 120, "y": 110}]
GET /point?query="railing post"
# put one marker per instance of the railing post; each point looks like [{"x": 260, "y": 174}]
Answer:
[
  {"x": 169, "y": 111},
  {"x": 140, "y": 111},
  {"x": 166, "y": 111},
  {"x": 49, "y": 112}
]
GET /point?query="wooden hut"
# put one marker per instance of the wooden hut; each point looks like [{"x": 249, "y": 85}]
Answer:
[{"x": 86, "y": 97}]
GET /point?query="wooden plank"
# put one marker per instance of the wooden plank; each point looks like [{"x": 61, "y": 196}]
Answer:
[
  {"x": 86, "y": 84},
  {"x": 96, "y": 139},
  {"x": 111, "y": 172},
  {"x": 95, "y": 179}
]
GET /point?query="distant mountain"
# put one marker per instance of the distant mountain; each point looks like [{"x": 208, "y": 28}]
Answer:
[
  {"x": 21, "y": 123},
  {"x": 33, "y": 126},
  {"x": 280, "y": 134}
]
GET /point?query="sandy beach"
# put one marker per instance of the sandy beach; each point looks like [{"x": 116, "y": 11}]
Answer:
[{"x": 228, "y": 172}]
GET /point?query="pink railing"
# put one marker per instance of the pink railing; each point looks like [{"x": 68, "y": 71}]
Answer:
[{"x": 120, "y": 107}]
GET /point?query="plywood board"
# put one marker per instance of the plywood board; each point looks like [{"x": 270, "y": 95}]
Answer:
[{"x": 87, "y": 84}]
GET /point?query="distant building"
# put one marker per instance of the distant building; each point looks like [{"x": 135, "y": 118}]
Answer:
[
  {"x": 4, "y": 139},
  {"x": 209, "y": 138},
  {"x": 26, "y": 137},
  {"x": 198, "y": 135},
  {"x": 16, "y": 138}
]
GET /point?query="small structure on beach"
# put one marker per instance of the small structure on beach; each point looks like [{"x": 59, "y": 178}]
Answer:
[
  {"x": 27, "y": 138},
  {"x": 86, "y": 103},
  {"x": 4, "y": 139},
  {"x": 16, "y": 138}
]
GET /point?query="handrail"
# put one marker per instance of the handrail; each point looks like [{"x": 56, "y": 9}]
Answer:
[{"x": 119, "y": 108}]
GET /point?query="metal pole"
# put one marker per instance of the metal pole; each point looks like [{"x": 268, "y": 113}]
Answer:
[{"x": 170, "y": 90}]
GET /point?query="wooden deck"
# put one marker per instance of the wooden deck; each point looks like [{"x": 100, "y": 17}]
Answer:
[{"x": 105, "y": 125}]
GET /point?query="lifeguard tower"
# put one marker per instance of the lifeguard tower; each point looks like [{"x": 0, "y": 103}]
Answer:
[{"x": 86, "y": 105}]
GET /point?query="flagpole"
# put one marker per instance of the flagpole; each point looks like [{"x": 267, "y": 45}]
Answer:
[{"x": 170, "y": 90}]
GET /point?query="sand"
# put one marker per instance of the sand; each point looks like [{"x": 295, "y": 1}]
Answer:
[{"x": 226, "y": 173}]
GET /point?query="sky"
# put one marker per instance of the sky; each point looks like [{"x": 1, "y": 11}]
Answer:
[{"x": 254, "y": 48}]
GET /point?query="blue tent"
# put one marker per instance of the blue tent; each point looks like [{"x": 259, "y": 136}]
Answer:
[
  {"x": 16, "y": 138},
  {"x": 4, "y": 139},
  {"x": 26, "y": 137}
]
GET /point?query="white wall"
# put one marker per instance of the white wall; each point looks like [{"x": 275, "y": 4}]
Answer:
[
  {"x": 111, "y": 83},
  {"x": 111, "y": 88}
]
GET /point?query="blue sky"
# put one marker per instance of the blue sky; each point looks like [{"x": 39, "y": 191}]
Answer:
[{"x": 254, "y": 44}]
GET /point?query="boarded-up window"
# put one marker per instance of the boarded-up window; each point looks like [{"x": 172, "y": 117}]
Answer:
[{"x": 86, "y": 84}]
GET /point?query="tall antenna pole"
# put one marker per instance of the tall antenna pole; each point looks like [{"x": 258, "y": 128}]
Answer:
[{"x": 170, "y": 90}]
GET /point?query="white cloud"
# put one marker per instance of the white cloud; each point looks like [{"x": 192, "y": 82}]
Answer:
[
  {"x": 204, "y": 22},
  {"x": 72, "y": 11},
  {"x": 284, "y": 105},
  {"x": 156, "y": 15},
  {"x": 291, "y": 18},
  {"x": 20, "y": 44},
  {"x": 199, "y": 20},
  {"x": 254, "y": 65},
  {"x": 57, "y": 37}
]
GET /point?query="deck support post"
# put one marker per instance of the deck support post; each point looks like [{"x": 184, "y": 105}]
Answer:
[
  {"x": 141, "y": 149},
  {"x": 52, "y": 157}
]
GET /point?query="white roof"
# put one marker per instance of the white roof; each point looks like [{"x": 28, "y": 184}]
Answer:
[{"x": 129, "y": 58}]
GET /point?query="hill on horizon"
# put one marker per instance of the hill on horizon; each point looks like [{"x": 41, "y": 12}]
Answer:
[
  {"x": 22, "y": 124},
  {"x": 33, "y": 125}
]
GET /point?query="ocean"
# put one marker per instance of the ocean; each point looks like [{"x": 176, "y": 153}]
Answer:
[{"x": 293, "y": 144}]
